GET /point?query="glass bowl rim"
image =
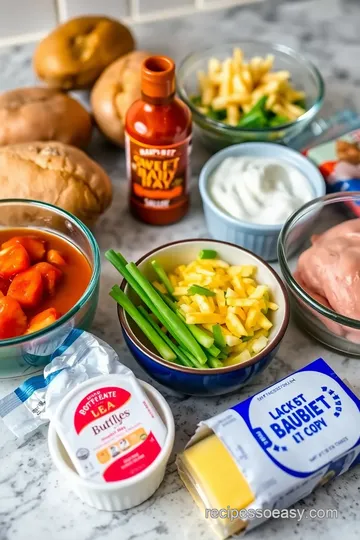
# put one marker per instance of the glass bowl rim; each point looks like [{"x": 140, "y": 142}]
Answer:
[
  {"x": 291, "y": 282},
  {"x": 275, "y": 47},
  {"x": 273, "y": 343},
  {"x": 94, "y": 275}
]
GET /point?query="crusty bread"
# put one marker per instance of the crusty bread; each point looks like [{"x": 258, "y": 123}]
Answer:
[
  {"x": 77, "y": 51},
  {"x": 58, "y": 174},
  {"x": 43, "y": 114},
  {"x": 116, "y": 89}
]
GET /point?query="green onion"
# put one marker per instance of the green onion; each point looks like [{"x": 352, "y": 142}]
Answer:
[
  {"x": 162, "y": 276},
  {"x": 214, "y": 351},
  {"x": 218, "y": 336},
  {"x": 192, "y": 359},
  {"x": 205, "y": 339},
  {"x": 177, "y": 326},
  {"x": 120, "y": 264},
  {"x": 214, "y": 362},
  {"x": 182, "y": 357},
  {"x": 207, "y": 254},
  {"x": 222, "y": 356},
  {"x": 196, "y": 289},
  {"x": 159, "y": 343}
]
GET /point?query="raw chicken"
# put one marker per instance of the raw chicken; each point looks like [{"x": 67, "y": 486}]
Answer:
[{"x": 330, "y": 272}]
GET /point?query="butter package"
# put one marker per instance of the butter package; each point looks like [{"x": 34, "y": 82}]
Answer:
[
  {"x": 339, "y": 163},
  {"x": 273, "y": 449}
]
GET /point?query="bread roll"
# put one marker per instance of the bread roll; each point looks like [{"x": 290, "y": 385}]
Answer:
[
  {"x": 56, "y": 173},
  {"x": 43, "y": 114},
  {"x": 116, "y": 89},
  {"x": 77, "y": 51}
]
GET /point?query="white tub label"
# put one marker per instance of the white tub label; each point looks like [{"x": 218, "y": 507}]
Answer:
[{"x": 111, "y": 431}]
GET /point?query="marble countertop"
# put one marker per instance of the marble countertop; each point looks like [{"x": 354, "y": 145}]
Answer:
[{"x": 35, "y": 502}]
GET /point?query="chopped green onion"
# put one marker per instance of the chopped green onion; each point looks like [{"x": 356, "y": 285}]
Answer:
[
  {"x": 207, "y": 254},
  {"x": 182, "y": 357},
  {"x": 214, "y": 351},
  {"x": 159, "y": 343},
  {"x": 214, "y": 362},
  {"x": 162, "y": 276},
  {"x": 218, "y": 336},
  {"x": 205, "y": 339},
  {"x": 196, "y": 289},
  {"x": 192, "y": 359},
  {"x": 179, "y": 328}
]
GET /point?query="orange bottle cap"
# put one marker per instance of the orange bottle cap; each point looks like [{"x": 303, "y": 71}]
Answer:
[{"x": 158, "y": 77}]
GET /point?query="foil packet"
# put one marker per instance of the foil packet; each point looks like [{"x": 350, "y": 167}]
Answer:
[{"x": 80, "y": 358}]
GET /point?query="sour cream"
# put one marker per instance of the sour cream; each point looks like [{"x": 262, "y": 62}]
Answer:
[{"x": 259, "y": 190}]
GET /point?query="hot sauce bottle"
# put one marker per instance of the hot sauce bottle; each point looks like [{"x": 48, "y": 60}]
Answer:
[{"x": 158, "y": 143}]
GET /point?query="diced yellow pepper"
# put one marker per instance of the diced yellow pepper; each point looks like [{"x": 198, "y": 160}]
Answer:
[
  {"x": 173, "y": 280},
  {"x": 259, "y": 344},
  {"x": 238, "y": 311},
  {"x": 220, "y": 300},
  {"x": 264, "y": 321},
  {"x": 249, "y": 289},
  {"x": 204, "y": 303},
  {"x": 160, "y": 287},
  {"x": 180, "y": 291},
  {"x": 273, "y": 306},
  {"x": 247, "y": 270},
  {"x": 239, "y": 286},
  {"x": 242, "y": 302},
  {"x": 251, "y": 318},
  {"x": 235, "y": 325},
  {"x": 260, "y": 291},
  {"x": 230, "y": 293},
  {"x": 185, "y": 308},
  {"x": 231, "y": 341},
  {"x": 204, "y": 318}
]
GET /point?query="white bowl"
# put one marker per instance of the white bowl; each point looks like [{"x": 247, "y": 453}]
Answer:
[{"x": 124, "y": 494}]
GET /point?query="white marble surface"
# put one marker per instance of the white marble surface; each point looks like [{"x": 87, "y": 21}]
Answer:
[{"x": 35, "y": 502}]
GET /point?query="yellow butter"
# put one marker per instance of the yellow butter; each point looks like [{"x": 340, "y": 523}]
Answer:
[{"x": 214, "y": 480}]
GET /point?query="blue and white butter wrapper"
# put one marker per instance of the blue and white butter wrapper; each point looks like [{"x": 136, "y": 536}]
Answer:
[
  {"x": 81, "y": 357},
  {"x": 291, "y": 437}
]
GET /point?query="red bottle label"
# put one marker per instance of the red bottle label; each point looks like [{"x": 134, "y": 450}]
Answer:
[{"x": 159, "y": 176}]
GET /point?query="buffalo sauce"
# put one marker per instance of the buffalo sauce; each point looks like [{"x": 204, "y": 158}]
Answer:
[{"x": 158, "y": 142}]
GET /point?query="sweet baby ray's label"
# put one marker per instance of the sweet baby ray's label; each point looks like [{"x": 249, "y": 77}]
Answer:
[
  {"x": 293, "y": 436},
  {"x": 159, "y": 176},
  {"x": 111, "y": 431}
]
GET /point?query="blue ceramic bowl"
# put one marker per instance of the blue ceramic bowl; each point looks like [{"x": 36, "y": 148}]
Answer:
[
  {"x": 203, "y": 382},
  {"x": 260, "y": 239}
]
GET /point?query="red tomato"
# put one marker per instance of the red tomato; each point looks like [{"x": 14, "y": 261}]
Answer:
[
  {"x": 27, "y": 288},
  {"x": 54, "y": 257},
  {"x": 50, "y": 274},
  {"x": 12, "y": 318},
  {"x": 42, "y": 320},
  {"x": 13, "y": 259},
  {"x": 33, "y": 245}
]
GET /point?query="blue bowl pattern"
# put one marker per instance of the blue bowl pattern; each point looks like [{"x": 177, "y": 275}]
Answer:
[{"x": 198, "y": 384}]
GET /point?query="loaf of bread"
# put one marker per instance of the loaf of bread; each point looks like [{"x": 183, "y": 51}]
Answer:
[
  {"x": 115, "y": 90},
  {"x": 77, "y": 51},
  {"x": 56, "y": 173},
  {"x": 43, "y": 114}
]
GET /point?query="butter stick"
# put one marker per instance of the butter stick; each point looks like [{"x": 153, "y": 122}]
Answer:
[{"x": 273, "y": 449}]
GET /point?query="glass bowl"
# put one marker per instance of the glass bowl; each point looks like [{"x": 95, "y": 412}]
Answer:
[
  {"x": 216, "y": 135},
  {"x": 327, "y": 326},
  {"x": 26, "y": 354}
]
